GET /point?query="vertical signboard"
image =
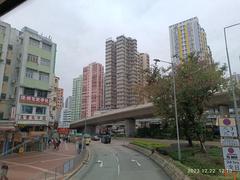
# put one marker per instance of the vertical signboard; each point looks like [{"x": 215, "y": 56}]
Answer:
[{"x": 230, "y": 143}]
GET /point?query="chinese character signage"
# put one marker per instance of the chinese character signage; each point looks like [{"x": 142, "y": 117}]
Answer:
[{"x": 34, "y": 100}]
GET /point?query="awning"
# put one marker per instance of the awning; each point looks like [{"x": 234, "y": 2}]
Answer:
[
  {"x": 34, "y": 122},
  {"x": 7, "y": 128}
]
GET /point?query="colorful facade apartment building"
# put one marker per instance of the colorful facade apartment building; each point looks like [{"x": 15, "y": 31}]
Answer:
[
  {"x": 188, "y": 37},
  {"x": 92, "y": 92}
]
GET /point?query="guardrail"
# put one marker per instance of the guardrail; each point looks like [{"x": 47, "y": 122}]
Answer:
[{"x": 62, "y": 171}]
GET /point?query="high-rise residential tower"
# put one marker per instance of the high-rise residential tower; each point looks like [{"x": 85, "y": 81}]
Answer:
[
  {"x": 188, "y": 37},
  {"x": 143, "y": 66},
  {"x": 68, "y": 102},
  {"x": 121, "y": 75},
  {"x": 76, "y": 98},
  {"x": 110, "y": 83},
  {"x": 92, "y": 92}
]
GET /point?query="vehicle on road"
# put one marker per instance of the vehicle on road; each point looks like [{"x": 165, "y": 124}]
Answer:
[
  {"x": 87, "y": 139},
  {"x": 106, "y": 139},
  {"x": 95, "y": 138}
]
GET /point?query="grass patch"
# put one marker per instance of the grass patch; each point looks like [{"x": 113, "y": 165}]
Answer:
[
  {"x": 148, "y": 144},
  {"x": 194, "y": 163}
]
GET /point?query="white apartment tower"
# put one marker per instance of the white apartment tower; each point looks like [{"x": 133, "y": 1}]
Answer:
[{"x": 76, "y": 98}]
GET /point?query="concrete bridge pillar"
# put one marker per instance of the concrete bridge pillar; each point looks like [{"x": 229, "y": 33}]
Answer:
[
  {"x": 224, "y": 110},
  {"x": 91, "y": 129},
  {"x": 130, "y": 127}
]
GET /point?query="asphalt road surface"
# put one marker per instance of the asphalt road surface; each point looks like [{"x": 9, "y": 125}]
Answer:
[{"x": 115, "y": 162}]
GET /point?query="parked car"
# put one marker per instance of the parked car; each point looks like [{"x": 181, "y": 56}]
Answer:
[
  {"x": 95, "y": 138},
  {"x": 106, "y": 139}
]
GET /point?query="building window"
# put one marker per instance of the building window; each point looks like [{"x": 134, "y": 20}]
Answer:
[
  {"x": 46, "y": 47},
  {"x": 32, "y": 58},
  {"x": 27, "y": 109},
  {"x": 1, "y": 115},
  {"x": 3, "y": 96},
  {"x": 28, "y": 91},
  {"x": 34, "y": 42},
  {"x": 41, "y": 93},
  {"x": 2, "y": 30},
  {"x": 43, "y": 76},
  {"x": 29, "y": 73},
  {"x": 10, "y": 47},
  {"x": 40, "y": 110},
  {"x": 45, "y": 62},
  {"x": 8, "y": 61},
  {"x": 5, "y": 78},
  {"x": 0, "y": 50}
]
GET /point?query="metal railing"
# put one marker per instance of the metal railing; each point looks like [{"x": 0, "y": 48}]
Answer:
[
  {"x": 27, "y": 145},
  {"x": 62, "y": 171}
]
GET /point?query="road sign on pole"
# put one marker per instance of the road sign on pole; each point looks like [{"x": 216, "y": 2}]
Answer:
[{"x": 230, "y": 143}]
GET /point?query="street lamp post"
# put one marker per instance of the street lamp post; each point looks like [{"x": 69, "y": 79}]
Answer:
[
  {"x": 175, "y": 104},
  {"x": 230, "y": 72}
]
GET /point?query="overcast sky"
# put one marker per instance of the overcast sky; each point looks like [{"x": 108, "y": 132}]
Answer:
[{"x": 80, "y": 28}]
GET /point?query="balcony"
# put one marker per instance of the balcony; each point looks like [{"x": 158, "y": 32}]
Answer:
[{"x": 33, "y": 117}]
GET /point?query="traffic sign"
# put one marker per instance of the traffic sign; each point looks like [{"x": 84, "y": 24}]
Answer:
[
  {"x": 233, "y": 165},
  {"x": 227, "y": 122},
  {"x": 226, "y": 131},
  {"x": 229, "y": 142},
  {"x": 231, "y": 153}
]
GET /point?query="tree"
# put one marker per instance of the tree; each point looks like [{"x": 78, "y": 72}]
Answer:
[{"x": 196, "y": 82}]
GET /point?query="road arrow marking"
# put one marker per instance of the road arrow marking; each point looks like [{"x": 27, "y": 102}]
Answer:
[
  {"x": 101, "y": 163},
  {"x": 136, "y": 162}
]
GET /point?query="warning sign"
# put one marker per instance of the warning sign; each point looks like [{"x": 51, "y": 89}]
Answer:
[
  {"x": 226, "y": 131},
  {"x": 227, "y": 122},
  {"x": 231, "y": 153}
]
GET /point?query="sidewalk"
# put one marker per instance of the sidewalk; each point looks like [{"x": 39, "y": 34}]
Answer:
[{"x": 27, "y": 165}]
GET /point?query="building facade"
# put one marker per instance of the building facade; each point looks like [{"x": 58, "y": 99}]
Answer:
[
  {"x": 66, "y": 117},
  {"x": 76, "y": 98},
  {"x": 110, "y": 90},
  {"x": 27, "y": 67},
  {"x": 188, "y": 37},
  {"x": 68, "y": 102},
  {"x": 121, "y": 74},
  {"x": 143, "y": 67},
  {"x": 53, "y": 100},
  {"x": 92, "y": 92},
  {"x": 59, "y": 103},
  {"x": 8, "y": 76}
]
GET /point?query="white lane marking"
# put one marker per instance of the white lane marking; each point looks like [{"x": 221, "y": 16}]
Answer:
[
  {"x": 133, "y": 160},
  {"x": 117, "y": 159},
  {"x": 101, "y": 163},
  {"x": 118, "y": 169}
]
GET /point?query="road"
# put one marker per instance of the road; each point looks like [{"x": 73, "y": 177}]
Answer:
[{"x": 115, "y": 162}]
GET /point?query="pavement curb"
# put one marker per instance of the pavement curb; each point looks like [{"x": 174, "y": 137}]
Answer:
[
  {"x": 165, "y": 163},
  {"x": 85, "y": 159}
]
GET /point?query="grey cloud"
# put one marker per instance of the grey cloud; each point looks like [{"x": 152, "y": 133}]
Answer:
[{"x": 80, "y": 27}]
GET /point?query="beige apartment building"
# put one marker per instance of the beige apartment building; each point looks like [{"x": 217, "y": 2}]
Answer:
[{"x": 123, "y": 69}]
